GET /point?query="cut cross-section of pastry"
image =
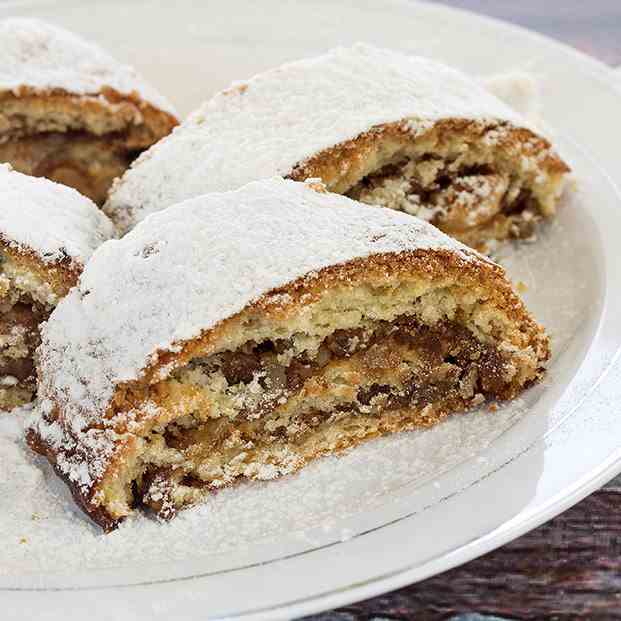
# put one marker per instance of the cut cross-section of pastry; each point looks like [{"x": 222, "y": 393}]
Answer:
[
  {"x": 47, "y": 233},
  {"x": 258, "y": 329},
  {"x": 379, "y": 126},
  {"x": 69, "y": 111}
]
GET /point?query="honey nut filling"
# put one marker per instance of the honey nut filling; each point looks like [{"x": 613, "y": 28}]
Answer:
[
  {"x": 26, "y": 301},
  {"x": 80, "y": 160},
  {"x": 274, "y": 407},
  {"x": 20, "y": 317},
  {"x": 458, "y": 198}
]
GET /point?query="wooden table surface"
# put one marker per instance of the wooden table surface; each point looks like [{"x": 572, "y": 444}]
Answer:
[{"x": 569, "y": 568}]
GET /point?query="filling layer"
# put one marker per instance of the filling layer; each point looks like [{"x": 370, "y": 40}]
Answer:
[
  {"x": 24, "y": 304},
  {"x": 467, "y": 201},
  {"x": 268, "y": 408},
  {"x": 77, "y": 159},
  {"x": 477, "y": 181}
]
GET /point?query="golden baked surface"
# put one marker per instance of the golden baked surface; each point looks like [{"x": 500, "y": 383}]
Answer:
[
  {"x": 385, "y": 128},
  {"x": 69, "y": 111},
  {"x": 245, "y": 345},
  {"x": 47, "y": 234}
]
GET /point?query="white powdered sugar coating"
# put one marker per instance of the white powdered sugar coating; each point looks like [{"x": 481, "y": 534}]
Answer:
[
  {"x": 187, "y": 268},
  {"x": 44, "y": 57},
  {"x": 50, "y": 219},
  {"x": 265, "y": 126},
  {"x": 520, "y": 90},
  {"x": 43, "y": 530}
]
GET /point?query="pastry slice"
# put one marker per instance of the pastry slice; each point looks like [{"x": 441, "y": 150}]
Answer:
[
  {"x": 47, "y": 233},
  {"x": 256, "y": 330},
  {"x": 69, "y": 111},
  {"x": 378, "y": 126}
]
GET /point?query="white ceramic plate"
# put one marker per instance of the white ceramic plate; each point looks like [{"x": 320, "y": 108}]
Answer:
[{"x": 403, "y": 508}]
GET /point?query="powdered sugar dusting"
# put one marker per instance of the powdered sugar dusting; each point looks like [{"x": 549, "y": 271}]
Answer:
[
  {"x": 53, "y": 531},
  {"x": 520, "y": 90},
  {"x": 266, "y": 126},
  {"x": 44, "y": 57},
  {"x": 52, "y": 220},
  {"x": 43, "y": 530},
  {"x": 189, "y": 267}
]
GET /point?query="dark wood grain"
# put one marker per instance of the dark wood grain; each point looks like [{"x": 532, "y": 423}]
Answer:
[{"x": 569, "y": 568}]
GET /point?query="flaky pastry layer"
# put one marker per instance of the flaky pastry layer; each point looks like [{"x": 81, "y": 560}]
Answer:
[
  {"x": 478, "y": 181},
  {"x": 29, "y": 290},
  {"x": 377, "y": 345},
  {"x": 82, "y": 141}
]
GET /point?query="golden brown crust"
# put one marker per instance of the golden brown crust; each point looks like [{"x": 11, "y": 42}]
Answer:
[
  {"x": 127, "y": 416},
  {"x": 339, "y": 164},
  {"x": 82, "y": 141},
  {"x": 61, "y": 276},
  {"x": 98, "y": 514},
  {"x": 140, "y": 123}
]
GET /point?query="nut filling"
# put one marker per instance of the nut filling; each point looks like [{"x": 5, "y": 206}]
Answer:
[
  {"x": 273, "y": 405},
  {"x": 77, "y": 159},
  {"x": 461, "y": 199},
  {"x": 362, "y": 322},
  {"x": 20, "y": 317}
]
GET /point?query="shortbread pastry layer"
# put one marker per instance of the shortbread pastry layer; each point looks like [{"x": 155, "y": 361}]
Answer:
[
  {"x": 69, "y": 111},
  {"x": 255, "y": 331},
  {"x": 47, "y": 233},
  {"x": 384, "y": 128}
]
